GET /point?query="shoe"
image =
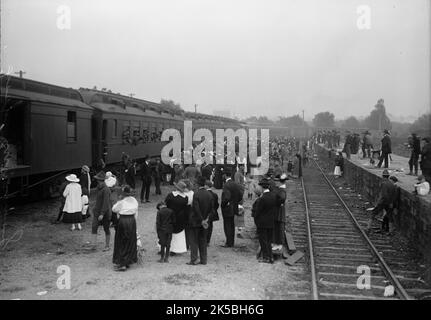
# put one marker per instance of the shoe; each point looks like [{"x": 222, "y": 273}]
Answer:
[
  {"x": 160, "y": 260},
  {"x": 192, "y": 263},
  {"x": 166, "y": 260},
  {"x": 147, "y": 201},
  {"x": 72, "y": 229},
  {"x": 203, "y": 263},
  {"x": 79, "y": 228},
  {"x": 122, "y": 268},
  {"x": 172, "y": 254}
]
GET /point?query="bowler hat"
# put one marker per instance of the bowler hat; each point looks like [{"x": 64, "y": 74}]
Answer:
[
  {"x": 100, "y": 176},
  {"x": 385, "y": 173},
  {"x": 180, "y": 186}
]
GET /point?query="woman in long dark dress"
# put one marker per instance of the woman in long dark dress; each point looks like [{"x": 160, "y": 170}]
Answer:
[{"x": 125, "y": 248}]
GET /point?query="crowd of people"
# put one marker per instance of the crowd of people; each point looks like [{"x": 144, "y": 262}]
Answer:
[{"x": 186, "y": 216}]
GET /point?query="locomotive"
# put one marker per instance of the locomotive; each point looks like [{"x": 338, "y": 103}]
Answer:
[{"x": 52, "y": 130}]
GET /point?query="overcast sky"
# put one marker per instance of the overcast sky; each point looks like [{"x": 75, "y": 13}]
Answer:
[{"x": 268, "y": 57}]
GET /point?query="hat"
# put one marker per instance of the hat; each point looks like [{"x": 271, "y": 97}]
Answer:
[
  {"x": 85, "y": 168},
  {"x": 100, "y": 176},
  {"x": 72, "y": 178},
  {"x": 386, "y": 131},
  {"x": 110, "y": 181},
  {"x": 385, "y": 173},
  {"x": 421, "y": 177},
  {"x": 283, "y": 177},
  {"x": 264, "y": 183},
  {"x": 180, "y": 186},
  {"x": 127, "y": 190}
]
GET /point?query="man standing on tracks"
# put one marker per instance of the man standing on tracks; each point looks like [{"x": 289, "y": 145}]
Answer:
[
  {"x": 280, "y": 217},
  {"x": 146, "y": 180},
  {"x": 386, "y": 201}
]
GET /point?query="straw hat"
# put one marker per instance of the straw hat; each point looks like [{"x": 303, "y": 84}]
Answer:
[{"x": 72, "y": 178}]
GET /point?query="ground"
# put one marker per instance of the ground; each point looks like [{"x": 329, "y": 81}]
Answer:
[{"x": 28, "y": 267}]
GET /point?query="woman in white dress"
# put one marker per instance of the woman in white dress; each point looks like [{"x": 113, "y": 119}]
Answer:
[
  {"x": 73, "y": 203},
  {"x": 177, "y": 201}
]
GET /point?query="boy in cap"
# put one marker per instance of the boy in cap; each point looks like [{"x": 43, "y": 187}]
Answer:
[
  {"x": 165, "y": 222},
  {"x": 102, "y": 211}
]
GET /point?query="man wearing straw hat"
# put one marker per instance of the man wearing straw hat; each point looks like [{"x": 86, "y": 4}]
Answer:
[{"x": 102, "y": 211}]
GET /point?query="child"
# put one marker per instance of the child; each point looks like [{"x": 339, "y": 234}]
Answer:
[
  {"x": 165, "y": 224},
  {"x": 249, "y": 186}
]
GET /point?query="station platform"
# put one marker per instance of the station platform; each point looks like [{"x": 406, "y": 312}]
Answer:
[{"x": 398, "y": 167}]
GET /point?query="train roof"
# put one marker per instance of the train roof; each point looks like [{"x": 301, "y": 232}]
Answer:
[
  {"x": 124, "y": 104},
  {"x": 27, "y": 89},
  {"x": 208, "y": 117}
]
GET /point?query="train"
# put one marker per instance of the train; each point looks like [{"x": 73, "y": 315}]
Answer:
[{"x": 52, "y": 130}]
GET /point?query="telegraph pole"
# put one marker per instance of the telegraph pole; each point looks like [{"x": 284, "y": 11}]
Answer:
[
  {"x": 196, "y": 108},
  {"x": 20, "y": 72}
]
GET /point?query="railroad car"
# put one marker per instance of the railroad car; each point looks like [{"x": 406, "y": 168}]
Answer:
[
  {"x": 46, "y": 127},
  {"x": 52, "y": 130}
]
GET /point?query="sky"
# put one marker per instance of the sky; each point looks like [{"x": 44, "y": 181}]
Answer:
[{"x": 249, "y": 57}]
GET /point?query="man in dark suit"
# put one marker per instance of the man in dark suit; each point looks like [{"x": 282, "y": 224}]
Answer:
[
  {"x": 214, "y": 215},
  {"x": 230, "y": 198},
  {"x": 198, "y": 221},
  {"x": 386, "y": 149},
  {"x": 146, "y": 180},
  {"x": 207, "y": 171},
  {"x": 267, "y": 209},
  {"x": 158, "y": 175}
]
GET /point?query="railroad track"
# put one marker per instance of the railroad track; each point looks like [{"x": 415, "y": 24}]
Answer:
[{"x": 340, "y": 253}]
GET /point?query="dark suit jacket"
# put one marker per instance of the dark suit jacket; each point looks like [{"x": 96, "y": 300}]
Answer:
[
  {"x": 202, "y": 207},
  {"x": 145, "y": 170},
  {"x": 207, "y": 171},
  {"x": 267, "y": 209},
  {"x": 386, "y": 144},
  {"x": 230, "y": 198},
  {"x": 281, "y": 199},
  {"x": 214, "y": 215}
]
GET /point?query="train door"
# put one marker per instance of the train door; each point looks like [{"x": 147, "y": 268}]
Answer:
[{"x": 96, "y": 136}]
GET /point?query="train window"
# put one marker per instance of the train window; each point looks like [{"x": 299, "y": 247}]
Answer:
[
  {"x": 115, "y": 128},
  {"x": 71, "y": 126}
]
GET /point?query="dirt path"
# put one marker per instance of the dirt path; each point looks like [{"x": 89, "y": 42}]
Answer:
[{"x": 29, "y": 266}]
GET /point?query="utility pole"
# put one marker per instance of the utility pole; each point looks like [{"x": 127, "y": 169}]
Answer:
[
  {"x": 196, "y": 108},
  {"x": 131, "y": 95},
  {"x": 20, "y": 72}
]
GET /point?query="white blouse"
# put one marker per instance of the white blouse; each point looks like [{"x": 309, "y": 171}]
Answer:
[
  {"x": 73, "y": 202},
  {"x": 127, "y": 206}
]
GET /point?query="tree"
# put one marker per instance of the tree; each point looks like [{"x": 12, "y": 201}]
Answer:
[
  {"x": 260, "y": 120},
  {"x": 170, "y": 104},
  {"x": 350, "y": 122},
  {"x": 378, "y": 120},
  {"x": 324, "y": 119},
  {"x": 293, "y": 121},
  {"x": 422, "y": 125}
]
